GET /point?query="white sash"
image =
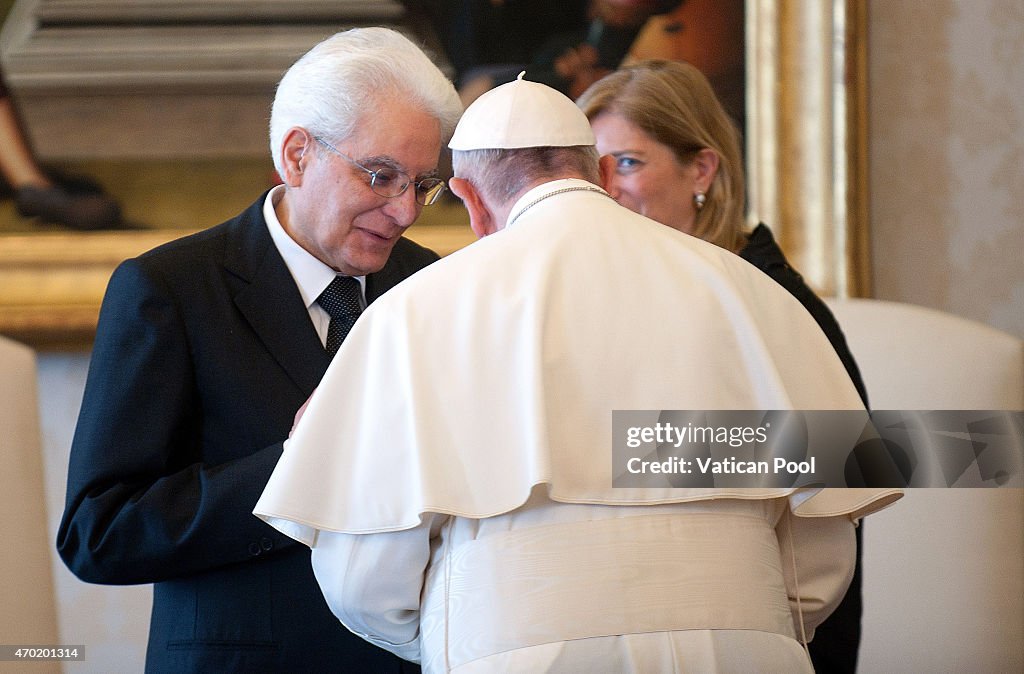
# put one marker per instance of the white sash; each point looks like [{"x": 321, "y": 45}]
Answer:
[{"x": 560, "y": 582}]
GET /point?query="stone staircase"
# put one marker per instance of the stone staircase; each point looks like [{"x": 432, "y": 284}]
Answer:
[{"x": 166, "y": 78}]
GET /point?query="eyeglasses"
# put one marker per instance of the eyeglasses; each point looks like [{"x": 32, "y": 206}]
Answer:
[{"x": 390, "y": 183}]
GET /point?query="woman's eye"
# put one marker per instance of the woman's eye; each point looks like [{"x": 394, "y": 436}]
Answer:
[{"x": 627, "y": 164}]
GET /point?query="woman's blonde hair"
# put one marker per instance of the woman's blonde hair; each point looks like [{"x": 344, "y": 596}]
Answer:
[{"x": 674, "y": 104}]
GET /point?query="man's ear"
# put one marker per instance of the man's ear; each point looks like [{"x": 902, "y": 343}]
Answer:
[
  {"x": 481, "y": 219},
  {"x": 606, "y": 169},
  {"x": 296, "y": 148},
  {"x": 706, "y": 163}
]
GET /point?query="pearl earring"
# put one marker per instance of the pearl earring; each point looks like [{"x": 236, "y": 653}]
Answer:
[{"x": 699, "y": 199}]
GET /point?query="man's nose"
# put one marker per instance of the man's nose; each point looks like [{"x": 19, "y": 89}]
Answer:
[{"x": 404, "y": 208}]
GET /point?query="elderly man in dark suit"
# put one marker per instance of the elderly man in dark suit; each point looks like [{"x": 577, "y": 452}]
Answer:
[{"x": 207, "y": 346}]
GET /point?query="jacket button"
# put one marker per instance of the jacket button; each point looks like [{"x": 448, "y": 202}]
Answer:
[
  {"x": 266, "y": 544},
  {"x": 254, "y": 549}
]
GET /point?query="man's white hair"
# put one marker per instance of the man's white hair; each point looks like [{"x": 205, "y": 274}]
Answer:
[{"x": 340, "y": 82}]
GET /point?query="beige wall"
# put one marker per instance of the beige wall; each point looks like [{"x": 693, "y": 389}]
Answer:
[{"x": 947, "y": 156}]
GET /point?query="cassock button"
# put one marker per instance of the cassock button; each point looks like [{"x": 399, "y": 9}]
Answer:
[
  {"x": 266, "y": 544},
  {"x": 254, "y": 549}
]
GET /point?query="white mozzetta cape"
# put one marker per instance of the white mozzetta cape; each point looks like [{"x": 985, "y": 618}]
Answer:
[{"x": 497, "y": 369}]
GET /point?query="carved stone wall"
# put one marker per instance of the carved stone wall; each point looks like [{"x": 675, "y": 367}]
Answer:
[{"x": 164, "y": 78}]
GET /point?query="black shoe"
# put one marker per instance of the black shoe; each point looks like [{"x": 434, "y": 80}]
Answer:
[{"x": 77, "y": 210}]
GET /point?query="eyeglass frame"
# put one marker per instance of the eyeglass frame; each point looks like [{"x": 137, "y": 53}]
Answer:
[{"x": 429, "y": 195}]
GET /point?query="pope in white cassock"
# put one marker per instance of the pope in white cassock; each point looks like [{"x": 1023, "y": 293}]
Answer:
[{"x": 453, "y": 472}]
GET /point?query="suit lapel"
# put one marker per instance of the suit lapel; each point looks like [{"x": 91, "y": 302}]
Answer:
[
  {"x": 270, "y": 301},
  {"x": 380, "y": 282}
]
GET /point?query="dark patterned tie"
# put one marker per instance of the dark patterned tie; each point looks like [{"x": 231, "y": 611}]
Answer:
[{"x": 341, "y": 301}]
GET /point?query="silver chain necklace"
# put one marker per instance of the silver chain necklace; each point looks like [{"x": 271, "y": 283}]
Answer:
[{"x": 577, "y": 188}]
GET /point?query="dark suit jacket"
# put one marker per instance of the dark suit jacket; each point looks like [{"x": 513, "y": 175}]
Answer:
[{"x": 203, "y": 353}]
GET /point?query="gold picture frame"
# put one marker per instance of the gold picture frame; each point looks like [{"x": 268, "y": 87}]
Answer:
[{"x": 807, "y": 175}]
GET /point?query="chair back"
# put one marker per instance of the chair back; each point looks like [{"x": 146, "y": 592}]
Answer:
[
  {"x": 943, "y": 568},
  {"x": 28, "y": 614}
]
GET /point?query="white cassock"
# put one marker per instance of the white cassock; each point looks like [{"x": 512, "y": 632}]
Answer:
[{"x": 453, "y": 471}]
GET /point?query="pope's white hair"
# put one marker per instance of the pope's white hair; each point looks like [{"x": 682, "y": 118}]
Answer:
[
  {"x": 340, "y": 82},
  {"x": 503, "y": 175}
]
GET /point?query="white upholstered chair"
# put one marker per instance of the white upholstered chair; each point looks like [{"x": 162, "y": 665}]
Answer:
[
  {"x": 943, "y": 568},
  {"x": 27, "y": 607}
]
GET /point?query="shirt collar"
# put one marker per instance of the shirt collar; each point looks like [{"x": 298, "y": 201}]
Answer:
[{"x": 311, "y": 275}]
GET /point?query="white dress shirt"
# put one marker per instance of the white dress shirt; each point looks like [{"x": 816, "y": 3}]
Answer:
[{"x": 311, "y": 275}]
